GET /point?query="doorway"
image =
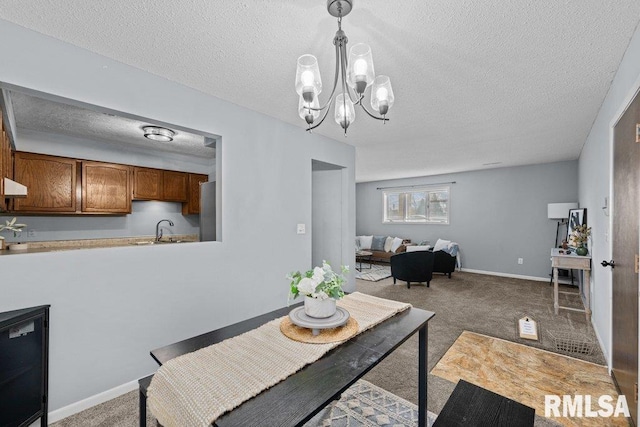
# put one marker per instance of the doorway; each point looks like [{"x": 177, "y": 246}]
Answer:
[
  {"x": 625, "y": 244},
  {"x": 326, "y": 214}
]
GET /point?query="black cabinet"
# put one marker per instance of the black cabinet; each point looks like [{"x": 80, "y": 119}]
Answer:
[{"x": 24, "y": 364}]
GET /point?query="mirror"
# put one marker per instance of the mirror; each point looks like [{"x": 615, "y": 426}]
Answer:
[{"x": 49, "y": 125}]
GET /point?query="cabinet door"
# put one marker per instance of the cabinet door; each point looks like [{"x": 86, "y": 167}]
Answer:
[
  {"x": 51, "y": 183},
  {"x": 105, "y": 188},
  {"x": 174, "y": 186},
  {"x": 192, "y": 206},
  {"x": 147, "y": 184}
]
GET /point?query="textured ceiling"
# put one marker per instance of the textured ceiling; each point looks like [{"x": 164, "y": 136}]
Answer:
[
  {"x": 483, "y": 83},
  {"x": 119, "y": 132}
]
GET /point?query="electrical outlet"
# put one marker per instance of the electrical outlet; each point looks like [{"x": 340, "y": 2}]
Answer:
[
  {"x": 301, "y": 229},
  {"x": 520, "y": 261},
  {"x": 31, "y": 233}
]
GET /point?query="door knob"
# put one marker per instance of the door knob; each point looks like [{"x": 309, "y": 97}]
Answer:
[{"x": 608, "y": 263}]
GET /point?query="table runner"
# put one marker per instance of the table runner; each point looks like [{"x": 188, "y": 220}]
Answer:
[{"x": 196, "y": 388}]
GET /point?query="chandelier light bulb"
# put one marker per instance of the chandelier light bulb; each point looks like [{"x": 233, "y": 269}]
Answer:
[
  {"x": 360, "y": 68},
  {"x": 345, "y": 114},
  {"x": 382, "y": 95},
  {"x": 307, "y": 78}
]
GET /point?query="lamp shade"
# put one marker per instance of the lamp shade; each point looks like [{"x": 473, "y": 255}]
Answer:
[
  {"x": 308, "y": 76},
  {"x": 382, "y": 95},
  {"x": 361, "y": 73},
  {"x": 345, "y": 113},
  {"x": 560, "y": 210}
]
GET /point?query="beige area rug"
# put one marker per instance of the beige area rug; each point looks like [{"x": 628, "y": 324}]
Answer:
[
  {"x": 375, "y": 273},
  {"x": 526, "y": 374}
]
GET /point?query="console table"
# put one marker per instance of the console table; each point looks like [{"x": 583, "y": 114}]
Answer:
[
  {"x": 576, "y": 262},
  {"x": 298, "y": 398}
]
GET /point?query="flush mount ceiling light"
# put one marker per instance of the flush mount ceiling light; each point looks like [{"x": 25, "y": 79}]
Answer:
[
  {"x": 355, "y": 74},
  {"x": 158, "y": 134}
]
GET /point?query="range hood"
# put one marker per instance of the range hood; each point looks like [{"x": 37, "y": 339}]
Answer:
[{"x": 14, "y": 189}]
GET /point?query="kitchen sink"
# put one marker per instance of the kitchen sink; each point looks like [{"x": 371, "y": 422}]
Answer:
[{"x": 155, "y": 242}]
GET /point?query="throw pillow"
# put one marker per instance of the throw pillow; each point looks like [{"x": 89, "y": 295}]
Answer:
[
  {"x": 387, "y": 244},
  {"x": 441, "y": 244},
  {"x": 365, "y": 242},
  {"x": 397, "y": 242},
  {"x": 377, "y": 243},
  {"x": 416, "y": 248},
  {"x": 357, "y": 243}
]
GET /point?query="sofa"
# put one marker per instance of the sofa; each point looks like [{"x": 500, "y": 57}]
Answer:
[{"x": 381, "y": 247}]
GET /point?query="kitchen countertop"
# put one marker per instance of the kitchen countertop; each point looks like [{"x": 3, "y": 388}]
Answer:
[{"x": 64, "y": 245}]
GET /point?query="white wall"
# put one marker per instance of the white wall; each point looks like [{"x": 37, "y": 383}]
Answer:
[
  {"x": 595, "y": 184},
  {"x": 110, "y": 307}
]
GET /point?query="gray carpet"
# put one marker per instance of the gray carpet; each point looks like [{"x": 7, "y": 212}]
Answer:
[
  {"x": 479, "y": 303},
  {"x": 484, "y": 304}
]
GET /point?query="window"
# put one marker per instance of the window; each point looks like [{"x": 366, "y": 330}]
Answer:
[{"x": 426, "y": 205}]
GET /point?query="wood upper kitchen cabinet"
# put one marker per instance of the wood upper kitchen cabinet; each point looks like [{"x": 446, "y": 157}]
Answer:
[
  {"x": 51, "y": 182},
  {"x": 192, "y": 205},
  {"x": 158, "y": 184},
  {"x": 174, "y": 186},
  {"x": 147, "y": 184},
  {"x": 6, "y": 161},
  {"x": 106, "y": 188}
]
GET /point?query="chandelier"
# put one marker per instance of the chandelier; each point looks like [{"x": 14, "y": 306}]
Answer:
[{"x": 354, "y": 74}]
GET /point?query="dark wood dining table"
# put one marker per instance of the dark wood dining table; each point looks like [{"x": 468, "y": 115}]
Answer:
[{"x": 298, "y": 398}]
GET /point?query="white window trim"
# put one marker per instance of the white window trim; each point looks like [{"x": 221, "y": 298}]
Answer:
[{"x": 427, "y": 188}]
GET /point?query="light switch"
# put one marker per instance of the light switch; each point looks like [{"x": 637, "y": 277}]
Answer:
[{"x": 302, "y": 229}]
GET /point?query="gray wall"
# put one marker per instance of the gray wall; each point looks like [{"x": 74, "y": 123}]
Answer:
[
  {"x": 110, "y": 307},
  {"x": 140, "y": 222},
  {"x": 595, "y": 185},
  {"x": 327, "y": 219},
  {"x": 497, "y": 215}
]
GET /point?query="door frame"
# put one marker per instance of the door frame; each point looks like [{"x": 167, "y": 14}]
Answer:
[{"x": 631, "y": 95}]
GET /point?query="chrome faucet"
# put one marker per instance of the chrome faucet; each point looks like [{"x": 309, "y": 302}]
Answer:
[{"x": 159, "y": 230}]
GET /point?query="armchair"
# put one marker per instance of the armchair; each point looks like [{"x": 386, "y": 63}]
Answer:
[
  {"x": 412, "y": 267},
  {"x": 444, "y": 263}
]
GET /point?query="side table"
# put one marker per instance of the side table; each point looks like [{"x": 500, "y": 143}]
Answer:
[{"x": 363, "y": 256}]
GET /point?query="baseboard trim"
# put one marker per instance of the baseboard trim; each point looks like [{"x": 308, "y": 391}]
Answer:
[
  {"x": 96, "y": 399},
  {"x": 513, "y": 276},
  {"x": 602, "y": 347}
]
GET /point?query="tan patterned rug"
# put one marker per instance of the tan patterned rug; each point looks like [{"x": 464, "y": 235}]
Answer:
[
  {"x": 526, "y": 374},
  {"x": 366, "y": 405},
  {"x": 375, "y": 273}
]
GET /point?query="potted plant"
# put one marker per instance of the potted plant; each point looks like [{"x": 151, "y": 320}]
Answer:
[
  {"x": 11, "y": 226},
  {"x": 321, "y": 288},
  {"x": 579, "y": 237}
]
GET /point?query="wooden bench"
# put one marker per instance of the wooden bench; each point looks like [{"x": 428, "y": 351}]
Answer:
[{"x": 473, "y": 406}]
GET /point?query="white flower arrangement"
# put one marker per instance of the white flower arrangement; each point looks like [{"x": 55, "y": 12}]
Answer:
[
  {"x": 320, "y": 283},
  {"x": 12, "y": 226}
]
